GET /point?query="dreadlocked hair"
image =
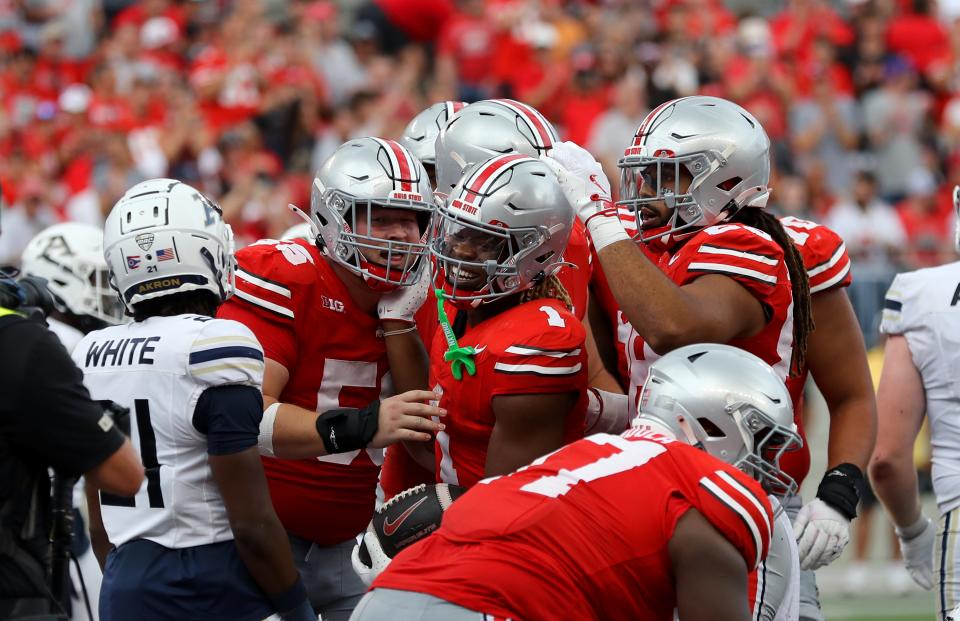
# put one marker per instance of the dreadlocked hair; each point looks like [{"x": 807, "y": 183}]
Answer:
[
  {"x": 549, "y": 287},
  {"x": 802, "y": 313}
]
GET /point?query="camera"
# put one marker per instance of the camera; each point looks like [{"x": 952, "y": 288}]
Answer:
[{"x": 28, "y": 294}]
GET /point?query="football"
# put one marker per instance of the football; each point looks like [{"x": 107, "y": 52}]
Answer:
[{"x": 403, "y": 520}]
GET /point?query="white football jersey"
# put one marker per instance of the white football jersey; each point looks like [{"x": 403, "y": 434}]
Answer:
[
  {"x": 924, "y": 307},
  {"x": 159, "y": 368},
  {"x": 68, "y": 335},
  {"x": 778, "y": 576}
]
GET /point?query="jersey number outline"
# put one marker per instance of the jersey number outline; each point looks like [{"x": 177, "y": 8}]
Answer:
[
  {"x": 631, "y": 455},
  {"x": 148, "y": 455},
  {"x": 337, "y": 375}
]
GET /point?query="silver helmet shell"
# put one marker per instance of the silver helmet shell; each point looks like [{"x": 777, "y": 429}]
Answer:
[
  {"x": 724, "y": 149},
  {"x": 728, "y": 402}
]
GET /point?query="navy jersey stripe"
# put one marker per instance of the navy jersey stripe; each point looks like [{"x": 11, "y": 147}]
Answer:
[{"x": 232, "y": 351}]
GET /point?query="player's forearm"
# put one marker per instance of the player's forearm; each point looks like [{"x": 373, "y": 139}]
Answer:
[
  {"x": 656, "y": 307},
  {"x": 99, "y": 540},
  {"x": 422, "y": 453},
  {"x": 294, "y": 432},
  {"x": 265, "y": 551},
  {"x": 853, "y": 431},
  {"x": 894, "y": 482},
  {"x": 407, "y": 357}
]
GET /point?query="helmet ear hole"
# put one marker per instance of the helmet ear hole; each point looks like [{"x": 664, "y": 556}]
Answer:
[
  {"x": 711, "y": 428},
  {"x": 730, "y": 183}
]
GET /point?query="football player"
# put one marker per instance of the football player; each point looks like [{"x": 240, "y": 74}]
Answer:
[
  {"x": 200, "y": 537},
  {"x": 330, "y": 314},
  {"x": 70, "y": 257},
  {"x": 613, "y": 527},
  {"x": 686, "y": 391},
  {"x": 921, "y": 317},
  {"x": 497, "y": 244},
  {"x": 470, "y": 136},
  {"x": 719, "y": 179}
]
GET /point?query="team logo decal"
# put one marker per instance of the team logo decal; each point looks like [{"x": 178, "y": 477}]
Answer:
[
  {"x": 133, "y": 262},
  {"x": 145, "y": 241}
]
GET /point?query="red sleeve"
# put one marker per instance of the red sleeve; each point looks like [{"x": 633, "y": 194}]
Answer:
[
  {"x": 540, "y": 351},
  {"x": 824, "y": 253},
  {"x": 737, "y": 507},
  {"x": 270, "y": 280},
  {"x": 747, "y": 255},
  {"x": 576, "y": 279}
]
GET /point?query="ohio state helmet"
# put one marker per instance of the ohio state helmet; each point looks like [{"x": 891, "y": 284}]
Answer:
[
  {"x": 501, "y": 230},
  {"x": 361, "y": 175},
  {"x": 486, "y": 129},
  {"x": 723, "y": 148},
  {"x": 70, "y": 257},
  {"x": 165, "y": 237},
  {"x": 728, "y": 402},
  {"x": 421, "y": 133}
]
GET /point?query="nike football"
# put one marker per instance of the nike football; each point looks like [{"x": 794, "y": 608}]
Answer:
[{"x": 403, "y": 520}]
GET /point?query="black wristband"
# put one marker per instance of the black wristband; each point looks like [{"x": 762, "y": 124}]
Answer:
[
  {"x": 841, "y": 488},
  {"x": 348, "y": 429}
]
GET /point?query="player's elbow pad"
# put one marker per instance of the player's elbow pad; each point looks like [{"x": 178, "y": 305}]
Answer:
[{"x": 607, "y": 412}]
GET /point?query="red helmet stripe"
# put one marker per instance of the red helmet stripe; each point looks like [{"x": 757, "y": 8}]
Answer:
[
  {"x": 491, "y": 170},
  {"x": 536, "y": 121},
  {"x": 640, "y": 138}
]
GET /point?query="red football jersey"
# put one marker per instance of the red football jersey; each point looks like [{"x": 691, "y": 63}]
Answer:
[
  {"x": 576, "y": 278},
  {"x": 400, "y": 471},
  {"x": 584, "y": 530},
  {"x": 303, "y": 315},
  {"x": 619, "y": 326},
  {"x": 536, "y": 347},
  {"x": 828, "y": 267},
  {"x": 755, "y": 261}
]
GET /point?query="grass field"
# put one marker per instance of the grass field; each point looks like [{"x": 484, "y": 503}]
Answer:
[{"x": 912, "y": 607}]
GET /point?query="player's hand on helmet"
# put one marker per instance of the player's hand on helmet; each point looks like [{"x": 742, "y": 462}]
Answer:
[
  {"x": 916, "y": 545},
  {"x": 588, "y": 190},
  {"x": 407, "y": 416},
  {"x": 581, "y": 177},
  {"x": 822, "y": 533},
  {"x": 403, "y": 303}
]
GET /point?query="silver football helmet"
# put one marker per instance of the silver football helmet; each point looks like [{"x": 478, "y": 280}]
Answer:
[
  {"x": 421, "y": 133},
  {"x": 165, "y": 237},
  {"x": 723, "y": 148},
  {"x": 70, "y": 257},
  {"x": 728, "y": 402},
  {"x": 363, "y": 175},
  {"x": 501, "y": 230},
  {"x": 486, "y": 129}
]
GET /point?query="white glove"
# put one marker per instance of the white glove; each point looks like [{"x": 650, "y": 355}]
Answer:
[
  {"x": 403, "y": 303},
  {"x": 588, "y": 190},
  {"x": 916, "y": 545},
  {"x": 822, "y": 533}
]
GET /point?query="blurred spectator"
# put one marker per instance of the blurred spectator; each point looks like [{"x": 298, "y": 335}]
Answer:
[
  {"x": 466, "y": 51},
  {"x": 918, "y": 36},
  {"x": 869, "y": 226},
  {"x": 31, "y": 213},
  {"x": 824, "y": 128},
  {"x": 894, "y": 117},
  {"x": 614, "y": 129},
  {"x": 927, "y": 224}
]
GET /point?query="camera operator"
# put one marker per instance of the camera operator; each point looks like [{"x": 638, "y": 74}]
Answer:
[{"x": 47, "y": 420}]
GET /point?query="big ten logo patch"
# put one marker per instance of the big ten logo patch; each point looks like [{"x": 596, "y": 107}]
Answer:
[{"x": 334, "y": 305}]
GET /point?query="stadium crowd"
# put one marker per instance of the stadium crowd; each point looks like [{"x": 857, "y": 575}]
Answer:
[{"x": 245, "y": 99}]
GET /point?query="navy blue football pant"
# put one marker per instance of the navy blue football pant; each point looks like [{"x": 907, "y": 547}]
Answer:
[{"x": 145, "y": 581}]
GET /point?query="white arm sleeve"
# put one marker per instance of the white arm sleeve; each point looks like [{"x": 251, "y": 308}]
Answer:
[{"x": 607, "y": 412}]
